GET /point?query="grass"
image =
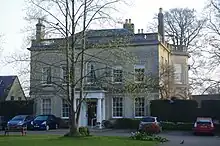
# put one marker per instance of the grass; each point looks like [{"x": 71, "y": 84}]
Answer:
[{"x": 46, "y": 140}]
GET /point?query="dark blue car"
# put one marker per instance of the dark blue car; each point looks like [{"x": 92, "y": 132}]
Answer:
[
  {"x": 45, "y": 122},
  {"x": 19, "y": 122}
]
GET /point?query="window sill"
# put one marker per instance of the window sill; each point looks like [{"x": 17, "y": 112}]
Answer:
[
  {"x": 117, "y": 117},
  {"x": 139, "y": 117}
]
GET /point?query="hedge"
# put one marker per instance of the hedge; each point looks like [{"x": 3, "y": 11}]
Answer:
[{"x": 126, "y": 123}]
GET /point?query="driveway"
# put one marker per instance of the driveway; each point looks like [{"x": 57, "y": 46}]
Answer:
[{"x": 189, "y": 139}]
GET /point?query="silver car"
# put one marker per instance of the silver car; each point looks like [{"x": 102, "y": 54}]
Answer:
[{"x": 149, "y": 120}]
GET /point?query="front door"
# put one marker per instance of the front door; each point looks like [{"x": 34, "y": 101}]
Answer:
[{"x": 91, "y": 112}]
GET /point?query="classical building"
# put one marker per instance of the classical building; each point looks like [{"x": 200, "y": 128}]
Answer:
[{"x": 107, "y": 56}]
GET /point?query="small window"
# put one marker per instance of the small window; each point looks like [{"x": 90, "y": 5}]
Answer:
[
  {"x": 12, "y": 98},
  {"x": 19, "y": 98}
]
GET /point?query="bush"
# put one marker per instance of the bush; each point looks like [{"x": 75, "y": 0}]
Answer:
[
  {"x": 126, "y": 123},
  {"x": 108, "y": 124},
  {"x": 84, "y": 131},
  {"x": 146, "y": 137},
  {"x": 177, "y": 126},
  {"x": 151, "y": 129}
]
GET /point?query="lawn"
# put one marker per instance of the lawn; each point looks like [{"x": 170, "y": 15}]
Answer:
[{"x": 45, "y": 140}]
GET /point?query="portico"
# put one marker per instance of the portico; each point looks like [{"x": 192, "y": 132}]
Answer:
[{"x": 92, "y": 108}]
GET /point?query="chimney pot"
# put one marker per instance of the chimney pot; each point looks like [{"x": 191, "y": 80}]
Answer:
[
  {"x": 138, "y": 31},
  {"x": 160, "y": 10},
  {"x": 126, "y": 21},
  {"x": 130, "y": 21},
  {"x": 142, "y": 30}
]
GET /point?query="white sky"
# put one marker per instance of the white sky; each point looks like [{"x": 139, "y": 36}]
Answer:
[{"x": 12, "y": 22}]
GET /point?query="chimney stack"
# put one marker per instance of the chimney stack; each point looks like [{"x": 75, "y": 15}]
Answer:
[
  {"x": 128, "y": 25},
  {"x": 142, "y": 31},
  {"x": 40, "y": 30},
  {"x": 161, "y": 24},
  {"x": 139, "y": 31}
]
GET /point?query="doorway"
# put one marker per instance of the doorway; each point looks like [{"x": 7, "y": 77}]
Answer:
[{"x": 92, "y": 112}]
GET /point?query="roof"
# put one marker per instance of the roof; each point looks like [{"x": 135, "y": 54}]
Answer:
[
  {"x": 106, "y": 36},
  {"x": 5, "y": 85}
]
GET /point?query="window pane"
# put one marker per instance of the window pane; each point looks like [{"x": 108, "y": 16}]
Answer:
[
  {"x": 46, "y": 106},
  {"x": 65, "y": 109},
  {"x": 117, "y": 108},
  {"x": 139, "y": 107}
]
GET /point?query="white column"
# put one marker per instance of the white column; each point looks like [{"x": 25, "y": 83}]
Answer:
[
  {"x": 103, "y": 109},
  {"x": 99, "y": 112}
]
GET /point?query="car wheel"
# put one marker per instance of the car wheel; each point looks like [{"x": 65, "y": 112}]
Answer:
[
  {"x": 47, "y": 127},
  {"x": 56, "y": 126}
]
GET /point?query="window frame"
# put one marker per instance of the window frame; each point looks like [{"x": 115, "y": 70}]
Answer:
[
  {"x": 138, "y": 67},
  {"x": 44, "y": 109},
  {"x": 115, "y": 108},
  {"x": 88, "y": 72},
  {"x": 144, "y": 104},
  {"x": 117, "y": 68},
  {"x": 62, "y": 109},
  {"x": 45, "y": 82},
  {"x": 63, "y": 76}
]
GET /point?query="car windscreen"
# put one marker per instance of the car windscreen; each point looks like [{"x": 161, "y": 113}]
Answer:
[
  {"x": 203, "y": 122},
  {"x": 148, "y": 119},
  {"x": 18, "y": 118},
  {"x": 41, "y": 118}
]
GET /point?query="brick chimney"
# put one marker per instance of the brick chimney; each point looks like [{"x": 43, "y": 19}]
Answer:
[
  {"x": 40, "y": 30},
  {"x": 161, "y": 24},
  {"x": 128, "y": 25}
]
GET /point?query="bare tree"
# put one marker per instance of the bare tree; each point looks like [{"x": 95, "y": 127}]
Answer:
[{"x": 70, "y": 22}]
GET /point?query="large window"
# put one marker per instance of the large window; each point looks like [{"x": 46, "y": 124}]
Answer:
[
  {"x": 139, "y": 107},
  {"x": 117, "y": 107},
  {"x": 178, "y": 73},
  {"x": 90, "y": 72},
  {"x": 117, "y": 75},
  {"x": 139, "y": 73},
  {"x": 64, "y": 74},
  {"x": 65, "y": 109},
  {"x": 46, "y": 106},
  {"x": 46, "y": 75}
]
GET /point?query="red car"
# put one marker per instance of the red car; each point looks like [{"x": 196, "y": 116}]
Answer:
[{"x": 204, "y": 126}]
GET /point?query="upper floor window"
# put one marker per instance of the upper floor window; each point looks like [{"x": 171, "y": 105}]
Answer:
[
  {"x": 117, "y": 75},
  {"x": 64, "y": 74},
  {"x": 178, "y": 73},
  {"x": 139, "y": 71},
  {"x": 46, "y": 75},
  {"x": 90, "y": 72}
]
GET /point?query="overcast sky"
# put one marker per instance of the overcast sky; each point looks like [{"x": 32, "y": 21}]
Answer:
[{"x": 12, "y": 21}]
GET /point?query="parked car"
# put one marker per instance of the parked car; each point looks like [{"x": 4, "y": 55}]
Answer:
[
  {"x": 19, "y": 122},
  {"x": 149, "y": 120},
  {"x": 204, "y": 126},
  {"x": 45, "y": 122},
  {"x": 3, "y": 122}
]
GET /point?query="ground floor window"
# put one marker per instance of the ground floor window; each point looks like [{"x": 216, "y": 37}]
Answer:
[
  {"x": 139, "y": 107},
  {"x": 117, "y": 107},
  {"x": 46, "y": 106},
  {"x": 65, "y": 109}
]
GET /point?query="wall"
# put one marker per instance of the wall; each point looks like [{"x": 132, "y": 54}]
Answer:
[{"x": 16, "y": 91}]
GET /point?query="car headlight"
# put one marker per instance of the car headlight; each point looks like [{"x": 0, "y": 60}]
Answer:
[
  {"x": 32, "y": 123},
  {"x": 44, "y": 123},
  {"x": 20, "y": 123}
]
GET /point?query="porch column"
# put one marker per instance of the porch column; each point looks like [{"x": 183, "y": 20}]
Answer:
[{"x": 99, "y": 112}]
